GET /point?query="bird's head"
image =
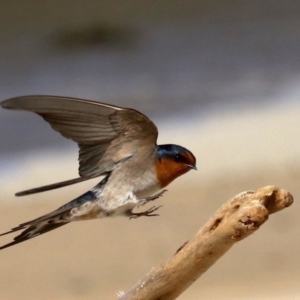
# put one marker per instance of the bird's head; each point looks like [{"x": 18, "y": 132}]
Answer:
[{"x": 173, "y": 161}]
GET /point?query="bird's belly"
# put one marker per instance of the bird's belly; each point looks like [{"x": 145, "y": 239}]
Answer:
[
  {"x": 124, "y": 190},
  {"x": 122, "y": 210},
  {"x": 145, "y": 186},
  {"x": 146, "y": 192}
]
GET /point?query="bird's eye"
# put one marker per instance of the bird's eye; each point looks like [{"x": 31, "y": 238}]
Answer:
[{"x": 177, "y": 157}]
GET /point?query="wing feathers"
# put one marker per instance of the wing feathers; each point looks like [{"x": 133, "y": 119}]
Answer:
[
  {"x": 54, "y": 104},
  {"x": 52, "y": 186},
  {"x": 105, "y": 134}
]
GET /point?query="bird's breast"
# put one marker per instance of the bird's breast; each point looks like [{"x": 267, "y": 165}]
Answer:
[{"x": 130, "y": 178}]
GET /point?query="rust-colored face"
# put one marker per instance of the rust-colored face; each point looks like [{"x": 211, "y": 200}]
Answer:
[
  {"x": 173, "y": 161},
  {"x": 167, "y": 170}
]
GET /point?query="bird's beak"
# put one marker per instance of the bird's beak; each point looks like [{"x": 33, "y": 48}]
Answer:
[{"x": 192, "y": 167}]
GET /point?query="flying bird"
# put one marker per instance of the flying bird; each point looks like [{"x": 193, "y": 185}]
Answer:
[{"x": 114, "y": 142}]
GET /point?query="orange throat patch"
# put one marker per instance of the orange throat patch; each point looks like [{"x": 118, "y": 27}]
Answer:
[{"x": 167, "y": 170}]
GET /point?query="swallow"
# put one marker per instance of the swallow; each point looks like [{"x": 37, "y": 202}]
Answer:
[{"x": 114, "y": 142}]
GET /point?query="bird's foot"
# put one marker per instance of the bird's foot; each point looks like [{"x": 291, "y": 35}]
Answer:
[
  {"x": 150, "y": 198},
  {"x": 147, "y": 213}
]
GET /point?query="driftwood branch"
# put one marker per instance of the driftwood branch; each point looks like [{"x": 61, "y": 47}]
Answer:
[{"x": 234, "y": 221}]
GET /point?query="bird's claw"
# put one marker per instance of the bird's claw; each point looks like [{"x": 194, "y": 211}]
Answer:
[{"x": 147, "y": 213}]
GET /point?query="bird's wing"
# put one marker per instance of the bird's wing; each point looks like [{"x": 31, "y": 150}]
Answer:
[{"x": 105, "y": 134}]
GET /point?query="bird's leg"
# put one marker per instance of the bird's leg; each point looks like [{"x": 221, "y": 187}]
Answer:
[
  {"x": 150, "y": 198},
  {"x": 143, "y": 201},
  {"x": 147, "y": 213}
]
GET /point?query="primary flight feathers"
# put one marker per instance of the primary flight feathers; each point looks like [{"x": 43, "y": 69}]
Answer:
[{"x": 105, "y": 134}]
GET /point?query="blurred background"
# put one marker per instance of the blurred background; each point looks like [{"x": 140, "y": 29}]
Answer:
[{"x": 220, "y": 78}]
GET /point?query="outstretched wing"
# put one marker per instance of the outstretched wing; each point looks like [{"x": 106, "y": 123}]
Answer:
[{"x": 105, "y": 134}]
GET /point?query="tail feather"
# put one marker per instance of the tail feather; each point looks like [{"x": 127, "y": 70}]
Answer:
[
  {"x": 84, "y": 206},
  {"x": 38, "y": 226},
  {"x": 13, "y": 230},
  {"x": 52, "y": 186},
  {"x": 31, "y": 232}
]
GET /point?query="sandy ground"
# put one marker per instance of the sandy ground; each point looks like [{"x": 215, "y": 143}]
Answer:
[{"x": 95, "y": 259}]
